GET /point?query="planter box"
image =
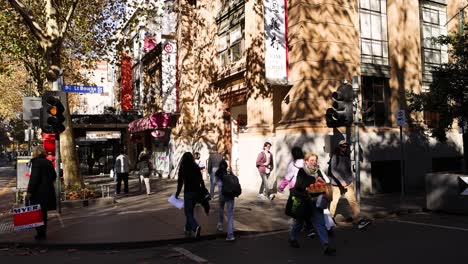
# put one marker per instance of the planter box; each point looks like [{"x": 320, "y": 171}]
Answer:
[
  {"x": 88, "y": 202},
  {"x": 443, "y": 193}
]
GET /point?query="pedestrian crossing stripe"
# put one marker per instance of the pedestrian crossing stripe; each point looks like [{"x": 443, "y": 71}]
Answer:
[{"x": 463, "y": 184}]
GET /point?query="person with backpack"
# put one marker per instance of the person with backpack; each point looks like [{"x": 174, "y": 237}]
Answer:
[
  {"x": 265, "y": 166},
  {"x": 343, "y": 183},
  {"x": 230, "y": 188},
  {"x": 311, "y": 188},
  {"x": 144, "y": 168}
]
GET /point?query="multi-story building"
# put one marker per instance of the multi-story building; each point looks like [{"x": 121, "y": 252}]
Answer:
[
  {"x": 147, "y": 78},
  {"x": 252, "y": 71}
]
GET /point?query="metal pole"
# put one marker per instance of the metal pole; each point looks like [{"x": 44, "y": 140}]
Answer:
[
  {"x": 57, "y": 169},
  {"x": 357, "y": 153},
  {"x": 357, "y": 156},
  {"x": 402, "y": 165}
]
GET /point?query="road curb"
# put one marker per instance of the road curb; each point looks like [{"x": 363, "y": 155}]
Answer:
[{"x": 127, "y": 244}]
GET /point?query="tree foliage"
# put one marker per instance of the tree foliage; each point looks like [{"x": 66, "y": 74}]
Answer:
[
  {"x": 448, "y": 93},
  {"x": 63, "y": 33}
]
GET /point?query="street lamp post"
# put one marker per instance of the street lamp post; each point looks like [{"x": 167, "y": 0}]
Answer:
[{"x": 357, "y": 156}]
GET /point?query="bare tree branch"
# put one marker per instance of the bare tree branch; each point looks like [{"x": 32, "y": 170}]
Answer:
[
  {"x": 66, "y": 24},
  {"x": 28, "y": 19}
]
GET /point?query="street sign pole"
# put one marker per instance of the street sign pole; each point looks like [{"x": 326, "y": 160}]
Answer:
[
  {"x": 401, "y": 120},
  {"x": 57, "y": 169},
  {"x": 402, "y": 166},
  {"x": 357, "y": 154}
]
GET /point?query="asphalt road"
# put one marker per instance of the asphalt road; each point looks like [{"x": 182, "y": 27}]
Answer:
[{"x": 420, "y": 238}]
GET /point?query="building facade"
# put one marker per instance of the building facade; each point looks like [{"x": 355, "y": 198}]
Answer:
[{"x": 251, "y": 71}]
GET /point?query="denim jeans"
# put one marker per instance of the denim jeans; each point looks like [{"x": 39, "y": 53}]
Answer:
[
  {"x": 213, "y": 181},
  {"x": 319, "y": 224},
  {"x": 190, "y": 200},
  {"x": 230, "y": 208},
  {"x": 265, "y": 186}
]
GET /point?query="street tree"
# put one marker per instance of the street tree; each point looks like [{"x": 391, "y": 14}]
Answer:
[
  {"x": 447, "y": 97},
  {"x": 62, "y": 33}
]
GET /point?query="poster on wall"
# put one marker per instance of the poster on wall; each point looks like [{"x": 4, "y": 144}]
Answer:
[{"x": 276, "y": 68}]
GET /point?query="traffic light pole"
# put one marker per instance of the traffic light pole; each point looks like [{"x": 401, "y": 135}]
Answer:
[
  {"x": 357, "y": 154},
  {"x": 57, "y": 168}
]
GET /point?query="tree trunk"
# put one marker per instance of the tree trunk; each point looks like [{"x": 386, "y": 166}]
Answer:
[
  {"x": 68, "y": 155},
  {"x": 71, "y": 168}
]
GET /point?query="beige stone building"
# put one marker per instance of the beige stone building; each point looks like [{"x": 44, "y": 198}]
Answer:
[{"x": 250, "y": 71}]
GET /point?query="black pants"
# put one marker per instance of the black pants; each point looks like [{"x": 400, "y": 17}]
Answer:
[
  {"x": 124, "y": 177},
  {"x": 42, "y": 230}
]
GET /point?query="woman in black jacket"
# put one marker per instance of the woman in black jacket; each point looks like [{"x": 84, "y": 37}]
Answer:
[
  {"x": 307, "y": 177},
  {"x": 41, "y": 187},
  {"x": 190, "y": 176}
]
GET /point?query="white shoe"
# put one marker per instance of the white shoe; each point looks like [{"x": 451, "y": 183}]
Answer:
[
  {"x": 230, "y": 238},
  {"x": 261, "y": 196},
  {"x": 271, "y": 197}
]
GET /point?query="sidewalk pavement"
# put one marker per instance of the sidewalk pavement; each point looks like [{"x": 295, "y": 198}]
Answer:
[{"x": 140, "y": 220}]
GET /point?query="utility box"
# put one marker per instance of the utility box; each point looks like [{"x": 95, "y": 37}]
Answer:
[
  {"x": 23, "y": 172},
  {"x": 447, "y": 192}
]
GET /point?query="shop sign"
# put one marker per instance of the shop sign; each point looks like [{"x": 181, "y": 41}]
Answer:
[
  {"x": 102, "y": 134},
  {"x": 158, "y": 133}
]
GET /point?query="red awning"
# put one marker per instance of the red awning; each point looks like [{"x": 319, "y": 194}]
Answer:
[{"x": 158, "y": 120}]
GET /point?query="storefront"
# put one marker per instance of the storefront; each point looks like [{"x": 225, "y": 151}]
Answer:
[{"x": 153, "y": 133}]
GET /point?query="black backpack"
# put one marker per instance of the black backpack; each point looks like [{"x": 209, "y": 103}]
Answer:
[
  {"x": 145, "y": 168},
  {"x": 231, "y": 186}
]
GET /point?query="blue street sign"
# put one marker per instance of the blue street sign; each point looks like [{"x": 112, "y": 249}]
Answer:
[{"x": 82, "y": 89}]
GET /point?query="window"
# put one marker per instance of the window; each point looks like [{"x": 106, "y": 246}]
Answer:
[
  {"x": 375, "y": 101},
  {"x": 230, "y": 23},
  {"x": 373, "y": 27},
  {"x": 433, "y": 20}
]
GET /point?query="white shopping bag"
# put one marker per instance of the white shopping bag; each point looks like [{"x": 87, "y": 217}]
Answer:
[
  {"x": 329, "y": 223},
  {"x": 178, "y": 203},
  {"x": 111, "y": 174}
]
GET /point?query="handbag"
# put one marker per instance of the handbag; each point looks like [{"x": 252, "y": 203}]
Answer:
[
  {"x": 27, "y": 217},
  {"x": 295, "y": 206}
]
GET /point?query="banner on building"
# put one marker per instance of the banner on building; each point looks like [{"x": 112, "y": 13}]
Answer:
[
  {"x": 168, "y": 78},
  {"x": 126, "y": 83},
  {"x": 275, "y": 16}
]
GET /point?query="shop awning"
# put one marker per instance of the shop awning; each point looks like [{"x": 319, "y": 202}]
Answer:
[{"x": 158, "y": 120}]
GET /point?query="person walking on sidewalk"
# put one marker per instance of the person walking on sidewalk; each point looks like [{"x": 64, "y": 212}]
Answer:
[
  {"x": 41, "y": 187},
  {"x": 265, "y": 166},
  {"x": 290, "y": 180},
  {"x": 214, "y": 160},
  {"x": 121, "y": 168},
  {"x": 144, "y": 168},
  {"x": 191, "y": 178},
  {"x": 225, "y": 199},
  {"x": 343, "y": 183},
  {"x": 308, "y": 188}
]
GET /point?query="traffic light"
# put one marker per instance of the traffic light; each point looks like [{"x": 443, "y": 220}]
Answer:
[
  {"x": 53, "y": 118},
  {"x": 341, "y": 113}
]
